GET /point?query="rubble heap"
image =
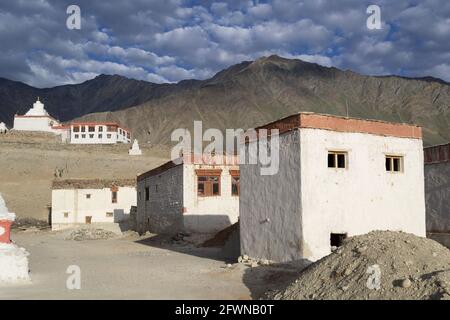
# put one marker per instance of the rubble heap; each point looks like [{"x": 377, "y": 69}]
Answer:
[{"x": 379, "y": 265}]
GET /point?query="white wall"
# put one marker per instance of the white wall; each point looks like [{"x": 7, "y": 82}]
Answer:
[
  {"x": 208, "y": 214},
  {"x": 98, "y": 137},
  {"x": 34, "y": 124},
  {"x": 363, "y": 197},
  {"x": 74, "y": 202}
]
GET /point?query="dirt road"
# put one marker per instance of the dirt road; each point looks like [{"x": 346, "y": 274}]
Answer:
[{"x": 125, "y": 269}]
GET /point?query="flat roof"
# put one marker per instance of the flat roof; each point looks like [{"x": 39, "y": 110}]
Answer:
[
  {"x": 437, "y": 154},
  {"x": 91, "y": 183},
  {"x": 344, "y": 124},
  {"x": 226, "y": 160}
]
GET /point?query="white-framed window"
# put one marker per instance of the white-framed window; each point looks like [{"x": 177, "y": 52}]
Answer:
[
  {"x": 394, "y": 163},
  {"x": 337, "y": 159}
]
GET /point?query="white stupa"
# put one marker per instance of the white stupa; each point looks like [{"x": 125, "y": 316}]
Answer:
[
  {"x": 13, "y": 259},
  {"x": 3, "y": 127},
  {"x": 36, "y": 119},
  {"x": 37, "y": 109},
  {"x": 135, "y": 150}
]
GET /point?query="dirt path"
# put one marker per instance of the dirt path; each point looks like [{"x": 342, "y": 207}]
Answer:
[{"x": 124, "y": 269}]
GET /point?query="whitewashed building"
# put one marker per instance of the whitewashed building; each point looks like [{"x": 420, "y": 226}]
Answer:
[
  {"x": 337, "y": 177},
  {"x": 77, "y": 202},
  {"x": 36, "y": 119},
  {"x": 437, "y": 192},
  {"x": 194, "y": 194},
  {"x": 98, "y": 133}
]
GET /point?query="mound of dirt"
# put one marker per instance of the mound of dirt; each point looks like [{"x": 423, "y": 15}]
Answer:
[
  {"x": 379, "y": 265},
  {"x": 221, "y": 237},
  {"x": 90, "y": 234}
]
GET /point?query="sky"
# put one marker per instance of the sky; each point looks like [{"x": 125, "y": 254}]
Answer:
[{"x": 171, "y": 40}]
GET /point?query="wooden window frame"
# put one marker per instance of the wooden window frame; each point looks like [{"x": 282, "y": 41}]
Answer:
[
  {"x": 336, "y": 154},
  {"x": 391, "y": 158},
  {"x": 208, "y": 184}
]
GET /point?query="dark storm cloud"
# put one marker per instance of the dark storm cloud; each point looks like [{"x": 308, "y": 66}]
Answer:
[{"x": 170, "y": 40}]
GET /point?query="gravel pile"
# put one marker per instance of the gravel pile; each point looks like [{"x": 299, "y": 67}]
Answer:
[
  {"x": 379, "y": 265},
  {"x": 90, "y": 234}
]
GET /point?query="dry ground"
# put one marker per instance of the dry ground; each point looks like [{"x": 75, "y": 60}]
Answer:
[
  {"x": 130, "y": 268},
  {"x": 28, "y": 162}
]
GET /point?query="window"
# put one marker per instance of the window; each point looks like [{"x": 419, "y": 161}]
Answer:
[
  {"x": 91, "y": 129},
  {"x": 208, "y": 182},
  {"x": 156, "y": 188},
  {"x": 66, "y": 214},
  {"x": 76, "y": 129},
  {"x": 100, "y": 129},
  {"x": 108, "y": 136},
  {"x": 109, "y": 214},
  {"x": 337, "y": 159},
  {"x": 88, "y": 196},
  {"x": 394, "y": 163},
  {"x": 91, "y": 136},
  {"x": 100, "y": 136},
  {"x": 147, "y": 193},
  {"x": 83, "y": 136},
  {"x": 83, "y": 129},
  {"x": 76, "y": 136},
  {"x": 235, "y": 186},
  {"x": 111, "y": 128},
  {"x": 114, "y": 196}
]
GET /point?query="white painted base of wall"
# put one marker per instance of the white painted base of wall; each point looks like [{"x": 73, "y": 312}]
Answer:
[{"x": 13, "y": 264}]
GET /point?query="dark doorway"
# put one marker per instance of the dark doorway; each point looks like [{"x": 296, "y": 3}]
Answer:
[
  {"x": 88, "y": 219},
  {"x": 336, "y": 239}
]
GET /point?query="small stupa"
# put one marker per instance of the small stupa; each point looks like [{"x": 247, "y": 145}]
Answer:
[
  {"x": 13, "y": 259},
  {"x": 135, "y": 150},
  {"x": 3, "y": 128}
]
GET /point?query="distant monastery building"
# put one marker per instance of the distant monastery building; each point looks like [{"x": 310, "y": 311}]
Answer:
[{"x": 38, "y": 119}]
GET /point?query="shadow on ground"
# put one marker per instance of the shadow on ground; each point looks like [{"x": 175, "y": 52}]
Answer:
[
  {"x": 167, "y": 242},
  {"x": 264, "y": 280}
]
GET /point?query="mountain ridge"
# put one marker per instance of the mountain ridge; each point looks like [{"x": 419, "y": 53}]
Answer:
[{"x": 248, "y": 94}]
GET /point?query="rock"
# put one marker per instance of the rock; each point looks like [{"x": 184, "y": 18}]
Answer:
[
  {"x": 406, "y": 283},
  {"x": 254, "y": 264},
  {"x": 245, "y": 257},
  {"x": 264, "y": 262}
]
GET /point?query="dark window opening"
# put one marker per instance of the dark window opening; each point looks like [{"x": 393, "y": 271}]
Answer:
[
  {"x": 147, "y": 193},
  {"x": 394, "y": 163},
  {"x": 114, "y": 196},
  {"x": 336, "y": 239},
  {"x": 235, "y": 186},
  {"x": 337, "y": 160},
  {"x": 91, "y": 129}
]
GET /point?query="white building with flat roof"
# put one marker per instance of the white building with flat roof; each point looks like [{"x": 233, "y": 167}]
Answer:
[
  {"x": 338, "y": 177},
  {"x": 3, "y": 128},
  {"x": 98, "y": 133},
  {"x": 101, "y": 202},
  {"x": 195, "y": 194},
  {"x": 36, "y": 119}
]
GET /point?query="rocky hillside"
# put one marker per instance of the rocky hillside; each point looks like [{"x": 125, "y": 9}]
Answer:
[
  {"x": 242, "y": 96},
  {"x": 253, "y": 93},
  {"x": 103, "y": 93}
]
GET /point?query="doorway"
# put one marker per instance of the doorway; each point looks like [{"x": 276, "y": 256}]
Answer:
[{"x": 88, "y": 219}]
